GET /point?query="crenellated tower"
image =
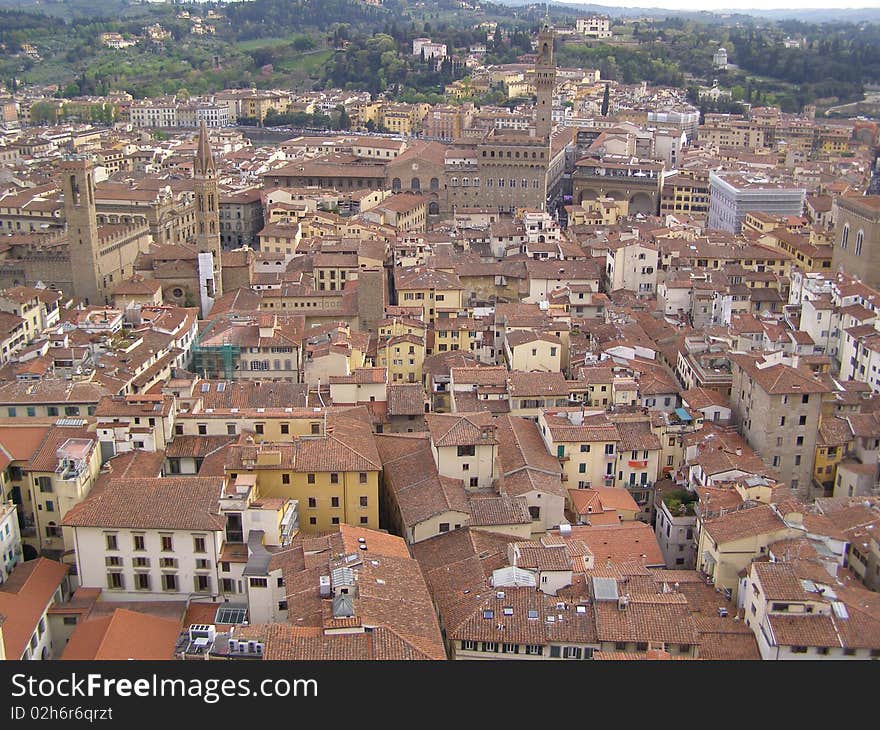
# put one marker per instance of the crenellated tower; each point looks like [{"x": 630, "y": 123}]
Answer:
[{"x": 545, "y": 81}]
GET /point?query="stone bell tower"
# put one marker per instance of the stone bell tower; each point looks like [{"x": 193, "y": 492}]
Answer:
[
  {"x": 545, "y": 81},
  {"x": 207, "y": 209}
]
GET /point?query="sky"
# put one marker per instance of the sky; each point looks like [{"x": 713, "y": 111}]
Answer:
[{"x": 716, "y": 5}]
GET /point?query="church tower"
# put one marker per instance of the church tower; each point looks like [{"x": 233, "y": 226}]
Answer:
[
  {"x": 545, "y": 81},
  {"x": 78, "y": 182},
  {"x": 207, "y": 203}
]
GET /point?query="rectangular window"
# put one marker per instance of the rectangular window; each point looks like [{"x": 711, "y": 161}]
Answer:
[
  {"x": 111, "y": 542},
  {"x": 167, "y": 544},
  {"x": 259, "y": 583},
  {"x": 199, "y": 544},
  {"x": 202, "y": 583},
  {"x": 285, "y": 478},
  {"x": 115, "y": 581},
  {"x": 334, "y": 478},
  {"x": 334, "y": 501},
  {"x": 169, "y": 581},
  {"x": 362, "y": 478},
  {"x": 142, "y": 581},
  {"x": 313, "y": 502},
  {"x": 468, "y": 450},
  {"x": 310, "y": 478},
  {"x": 364, "y": 501},
  {"x": 139, "y": 542}
]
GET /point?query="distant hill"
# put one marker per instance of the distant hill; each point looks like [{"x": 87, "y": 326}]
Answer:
[{"x": 831, "y": 14}]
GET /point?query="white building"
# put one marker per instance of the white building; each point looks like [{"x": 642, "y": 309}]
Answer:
[
  {"x": 733, "y": 194},
  {"x": 675, "y": 535},
  {"x": 153, "y": 114},
  {"x": 632, "y": 265},
  {"x": 10, "y": 540},
  {"x": 150, "y": 538},
  {"x": 719, "y": 58},
  {"x": 432, "y": 50},
  {"x": 594, "y": 26}
]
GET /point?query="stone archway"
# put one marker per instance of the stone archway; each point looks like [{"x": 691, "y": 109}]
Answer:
[
  {"x": 641, "y": 203},
  {"x": 587, "y": 194}
]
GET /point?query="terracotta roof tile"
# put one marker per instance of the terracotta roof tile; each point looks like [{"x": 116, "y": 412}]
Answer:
[
  {"x": 23, "y": 599},
  {"x": 173, "y": 503}
]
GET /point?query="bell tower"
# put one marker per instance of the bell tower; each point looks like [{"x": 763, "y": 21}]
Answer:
[
  {"x": 78, "y": 182},
  {"x": 545, "y": 81},
  {"x": 207, "y": 203}
]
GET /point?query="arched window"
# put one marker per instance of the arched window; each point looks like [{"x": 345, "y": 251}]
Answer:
[
  {"x": 435, "y": 183},
  {"x": 860, "y": 239},
  {"x": 433, "y": 208},
  {"x": 844, "y": 238},
  {"x": 395, "y": 185},
  {"x": 415, "y": 184}
]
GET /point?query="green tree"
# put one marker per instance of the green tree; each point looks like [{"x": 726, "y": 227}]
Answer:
[{"x": 344, "y": 118}]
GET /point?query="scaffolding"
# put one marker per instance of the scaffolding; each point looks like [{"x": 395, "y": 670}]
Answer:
[{"x": 215, "y": 361}]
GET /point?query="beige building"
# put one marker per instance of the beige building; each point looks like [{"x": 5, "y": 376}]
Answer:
[
  {"x": 798, "y": 611},
  {"x": 465, "y": 447},
  {"x": 778, "y": 408},
  {"x": 584, "y": 441},
  {"x": 417, "y": 502}
]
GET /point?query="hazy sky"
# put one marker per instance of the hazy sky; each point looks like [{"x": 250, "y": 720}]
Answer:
[{"x": 745, "y": 4}]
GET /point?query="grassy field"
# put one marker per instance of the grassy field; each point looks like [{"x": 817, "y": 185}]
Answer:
[
  {"x": 309, "y": 63},
  {"x": 258, "y": 43}
]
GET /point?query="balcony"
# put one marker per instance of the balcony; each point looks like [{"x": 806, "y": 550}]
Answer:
[{"x": 638, "y": 464}]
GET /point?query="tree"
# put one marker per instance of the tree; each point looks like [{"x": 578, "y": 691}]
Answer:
[
  {"x": 606, "y": 100},
  {"x": 344, "y": 119}
]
